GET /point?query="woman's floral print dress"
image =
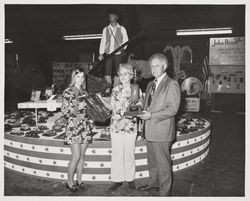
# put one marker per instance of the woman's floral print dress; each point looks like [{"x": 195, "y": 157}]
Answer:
[{"x": 79, "y": 126}]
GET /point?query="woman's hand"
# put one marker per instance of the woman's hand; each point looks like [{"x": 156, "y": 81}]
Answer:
[
  {"x": 82, "y": 105},
  {"x": 146, "y": 115}
]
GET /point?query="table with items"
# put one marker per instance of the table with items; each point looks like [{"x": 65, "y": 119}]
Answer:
[{"x": 34, "y": 145}]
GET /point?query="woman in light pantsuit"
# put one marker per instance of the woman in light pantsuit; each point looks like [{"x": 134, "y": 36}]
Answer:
[
  {"x": 123, "y": 131},
  {"x": 123, "y": 160}
]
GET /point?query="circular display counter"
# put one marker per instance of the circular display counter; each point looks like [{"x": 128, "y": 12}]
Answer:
[{"x": 48, "y": 157}]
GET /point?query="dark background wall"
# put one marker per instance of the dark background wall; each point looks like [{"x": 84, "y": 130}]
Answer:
[{"x": 37, "y": 32}]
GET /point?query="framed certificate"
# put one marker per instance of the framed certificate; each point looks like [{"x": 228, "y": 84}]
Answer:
[{"x": 35, "y": 95}]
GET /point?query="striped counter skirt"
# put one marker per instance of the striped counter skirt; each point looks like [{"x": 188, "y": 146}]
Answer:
[{"x": 48, "y": 158}]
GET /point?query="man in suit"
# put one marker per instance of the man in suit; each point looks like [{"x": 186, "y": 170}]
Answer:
[{"x": 161, "y": 104}]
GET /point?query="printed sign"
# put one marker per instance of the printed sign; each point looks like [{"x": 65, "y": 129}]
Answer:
[
  {"x": 192, "y": 104},
  {"x": 35, "y": 95},
  {"x": 227, "y": 79},
  {"x": 227, "y": 51},
  {"x": 192, "y": 86}
]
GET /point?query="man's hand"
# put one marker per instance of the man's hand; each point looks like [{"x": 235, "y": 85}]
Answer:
[
  {"x": 145, "y": 116},
  {"x": 100, "y": 57}
]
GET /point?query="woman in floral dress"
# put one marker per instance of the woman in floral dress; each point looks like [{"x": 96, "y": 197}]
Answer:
[
  {"x": 123, "y": 131},
  {"x": 78, "y": 128}
]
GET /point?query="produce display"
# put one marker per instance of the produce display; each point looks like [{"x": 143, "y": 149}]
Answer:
[
  {"x": 188, "y": 124},
  {"x": 22, "y": 123},
  {"x": 23, "y": 141}
]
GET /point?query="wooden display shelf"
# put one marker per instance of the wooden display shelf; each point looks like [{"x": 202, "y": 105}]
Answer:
[
  {"x": 42, "y": 104},
  {"x": 36, "y": 105}
]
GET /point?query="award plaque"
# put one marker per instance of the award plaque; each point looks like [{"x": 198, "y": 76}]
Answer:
[
  {"x": 96, "y": 110},
  {"x": 134, "y": 108}
]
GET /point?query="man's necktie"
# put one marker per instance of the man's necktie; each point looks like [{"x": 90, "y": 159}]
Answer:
[{"x": 151, "y": 93}]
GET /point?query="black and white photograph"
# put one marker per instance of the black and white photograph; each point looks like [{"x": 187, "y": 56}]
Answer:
[{"x": 124, "y": 99}]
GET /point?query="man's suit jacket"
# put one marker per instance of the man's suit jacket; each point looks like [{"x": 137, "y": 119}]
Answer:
[{"x": 164, "y": 106}]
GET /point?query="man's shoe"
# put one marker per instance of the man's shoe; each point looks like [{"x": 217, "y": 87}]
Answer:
[
  {"x": 131, "y": 185},
  {"x": 148, "y": 188},
  {"x": 115, "y": 186}
]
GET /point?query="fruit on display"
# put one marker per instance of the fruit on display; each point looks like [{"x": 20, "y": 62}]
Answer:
[
  {"x": 188, "y": 124},
  {"x": 57, "y": 127},
  {"x": 37, "y": 130},
  {"x": 42, "y": 120},
  {"x": 6, "y": 116},
  {"x": 43, "y": 114},
  {"x": 192, "y": 129},
  {"x": 29, "y": 121},
  {"x": 16, "y": 132},
  {"x": 25, "y": 127},
  {"x": 61, "y": 121},
  {"x": 42, "y": 127},
  {"x": 49, "y": 133},
  {"x": 33, "y": 134},
  {"x": 7, "y": 127},
  {"x": 12, "y": 120},
  {"x": 16, "y": 114}
]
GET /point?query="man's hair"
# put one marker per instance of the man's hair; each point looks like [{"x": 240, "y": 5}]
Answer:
[
  {"x": 159, "y": 56},
  {"x": 112, "y": 11}
]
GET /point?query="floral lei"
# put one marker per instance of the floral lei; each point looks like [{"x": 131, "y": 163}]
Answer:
[{"x": 122, "y": 96}]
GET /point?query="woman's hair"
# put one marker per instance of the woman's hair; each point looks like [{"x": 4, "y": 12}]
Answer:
[
  {"x": 73, "y": 74},
  {"x": 126, "y": 66}
]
